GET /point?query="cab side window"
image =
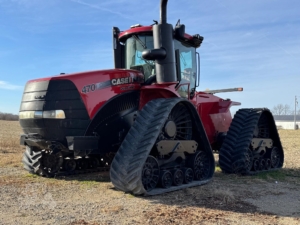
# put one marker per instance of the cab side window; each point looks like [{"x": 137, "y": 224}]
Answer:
[{"x": 188, "y": 68}]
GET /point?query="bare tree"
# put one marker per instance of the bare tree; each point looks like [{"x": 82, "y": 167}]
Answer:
[
  {"x": 278, "y": 109},
  {"x": 281, "y": 109},
  {"x": 8, "y": 116},
  {"x": 287, "y": 110}
]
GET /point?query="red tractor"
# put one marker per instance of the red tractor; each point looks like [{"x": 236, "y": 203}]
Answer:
[{"x": 144, "y": 120}]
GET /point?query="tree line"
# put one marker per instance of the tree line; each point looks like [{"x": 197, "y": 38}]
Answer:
[
  {"x": 8, "y": 116},
  {"x": 282, "y": 109}
]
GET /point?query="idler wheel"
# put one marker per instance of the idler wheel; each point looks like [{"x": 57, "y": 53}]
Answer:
[
  {"x": 199, "y": 162},
  {"x": 150, "y": 173},
  {"x": 166, "y": 179},
  {"x": 188, "y": 175},
  {"x": 275, "y": 157},
  {"x": 51, "y": 163},
  {"x": 178, "y": 177},
  {"x": 69, "y": 165}
]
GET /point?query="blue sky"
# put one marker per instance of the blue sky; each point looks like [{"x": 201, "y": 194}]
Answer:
[{"x": 252, "y": 44}]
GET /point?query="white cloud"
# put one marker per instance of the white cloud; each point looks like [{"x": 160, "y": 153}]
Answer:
[{"x": 8, "y": 86}]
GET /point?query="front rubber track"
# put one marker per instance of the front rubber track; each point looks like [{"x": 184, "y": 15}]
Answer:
[
  {"x": 236, "y": 144},
  {"x": 126, "y": 168},
  {"x": 31, "y": 160}
]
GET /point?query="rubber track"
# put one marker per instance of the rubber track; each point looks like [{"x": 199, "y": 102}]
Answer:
[
  {"x": 238, "y": 139},
  {"x": 126, "y": 168},
  {"x": 31, "y": 162}
]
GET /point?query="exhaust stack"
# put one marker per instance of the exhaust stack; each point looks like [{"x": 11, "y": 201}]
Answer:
[
  {"x": 163, "y": 11},
  {"x": 163, "y": 52}
]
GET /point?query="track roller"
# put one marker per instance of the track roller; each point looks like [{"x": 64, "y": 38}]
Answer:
[
  {"x": 262, "y": 164},
  {"x": 150, "y": 173},
  {"x": 188, "y": 175},
  {"x": 166, "y": 179},
  {"x": 69, "y": 165},
  {"x": 178, "y": 177},
  {"x": 268, "y": 164}
]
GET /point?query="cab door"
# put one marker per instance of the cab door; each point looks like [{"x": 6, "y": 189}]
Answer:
[{"x": 188, "y": 68}]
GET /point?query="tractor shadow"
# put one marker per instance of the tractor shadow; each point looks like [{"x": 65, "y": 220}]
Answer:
[
  {"x": 269, "y": 193},
  {"x": 90, "y": 177}
]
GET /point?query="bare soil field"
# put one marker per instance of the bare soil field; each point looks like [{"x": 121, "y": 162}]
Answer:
[{"x": 267, "y": 198}]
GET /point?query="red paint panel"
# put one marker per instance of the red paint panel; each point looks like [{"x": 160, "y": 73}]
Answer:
[
  {"x": 214, "y": 113},
  {"x": 117, "y": 81},
  {"x": 144, "y": 29},
  {"x": 154, "y": 91}
]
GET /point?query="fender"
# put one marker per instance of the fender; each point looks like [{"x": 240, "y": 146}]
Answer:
[{"x": 154, "y": 91}]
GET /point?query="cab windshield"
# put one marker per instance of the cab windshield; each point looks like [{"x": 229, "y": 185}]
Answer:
[{"x": 134, "y": 46}]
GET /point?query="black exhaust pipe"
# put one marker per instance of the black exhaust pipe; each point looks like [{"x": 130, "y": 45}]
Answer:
[
  {"x": 163, "y": 52},
  {"x": 163, "y": 11}
]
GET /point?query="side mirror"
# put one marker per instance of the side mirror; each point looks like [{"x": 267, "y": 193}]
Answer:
[
  {"x": 153, "y": 54},
  {"x": 179, "y": 31}
]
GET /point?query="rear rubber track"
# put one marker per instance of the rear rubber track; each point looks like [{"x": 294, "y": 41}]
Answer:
[
  {"x": 126, "y": 168},
  {"x": 233, "y": 152}
]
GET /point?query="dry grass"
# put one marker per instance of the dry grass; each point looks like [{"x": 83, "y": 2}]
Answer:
[
  {"x": 291, "y": 144},
  {"x": 10, "y": 149}
]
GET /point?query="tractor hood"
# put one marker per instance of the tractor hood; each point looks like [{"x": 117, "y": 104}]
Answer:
[{"x": 93, "y": 88}]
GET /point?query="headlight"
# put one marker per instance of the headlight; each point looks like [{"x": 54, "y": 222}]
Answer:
[
  {"x": 26, "y": 115},
  {"x": 51, "y": 114},
  {"x": 54, "y": 114}
]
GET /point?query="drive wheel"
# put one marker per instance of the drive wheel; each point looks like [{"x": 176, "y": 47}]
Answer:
[
  {"x": 178, "y": 125},
  {"x": 150, "y": 173}
]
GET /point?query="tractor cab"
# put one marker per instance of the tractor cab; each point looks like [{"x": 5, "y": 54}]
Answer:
[{"x": 129, "y": 46}]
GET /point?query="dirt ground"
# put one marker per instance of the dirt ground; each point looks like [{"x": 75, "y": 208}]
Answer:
[{"x": 268, "y": 198}]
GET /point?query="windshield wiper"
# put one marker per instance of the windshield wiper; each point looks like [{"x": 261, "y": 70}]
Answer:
[{"x": 140, "y": 41}]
